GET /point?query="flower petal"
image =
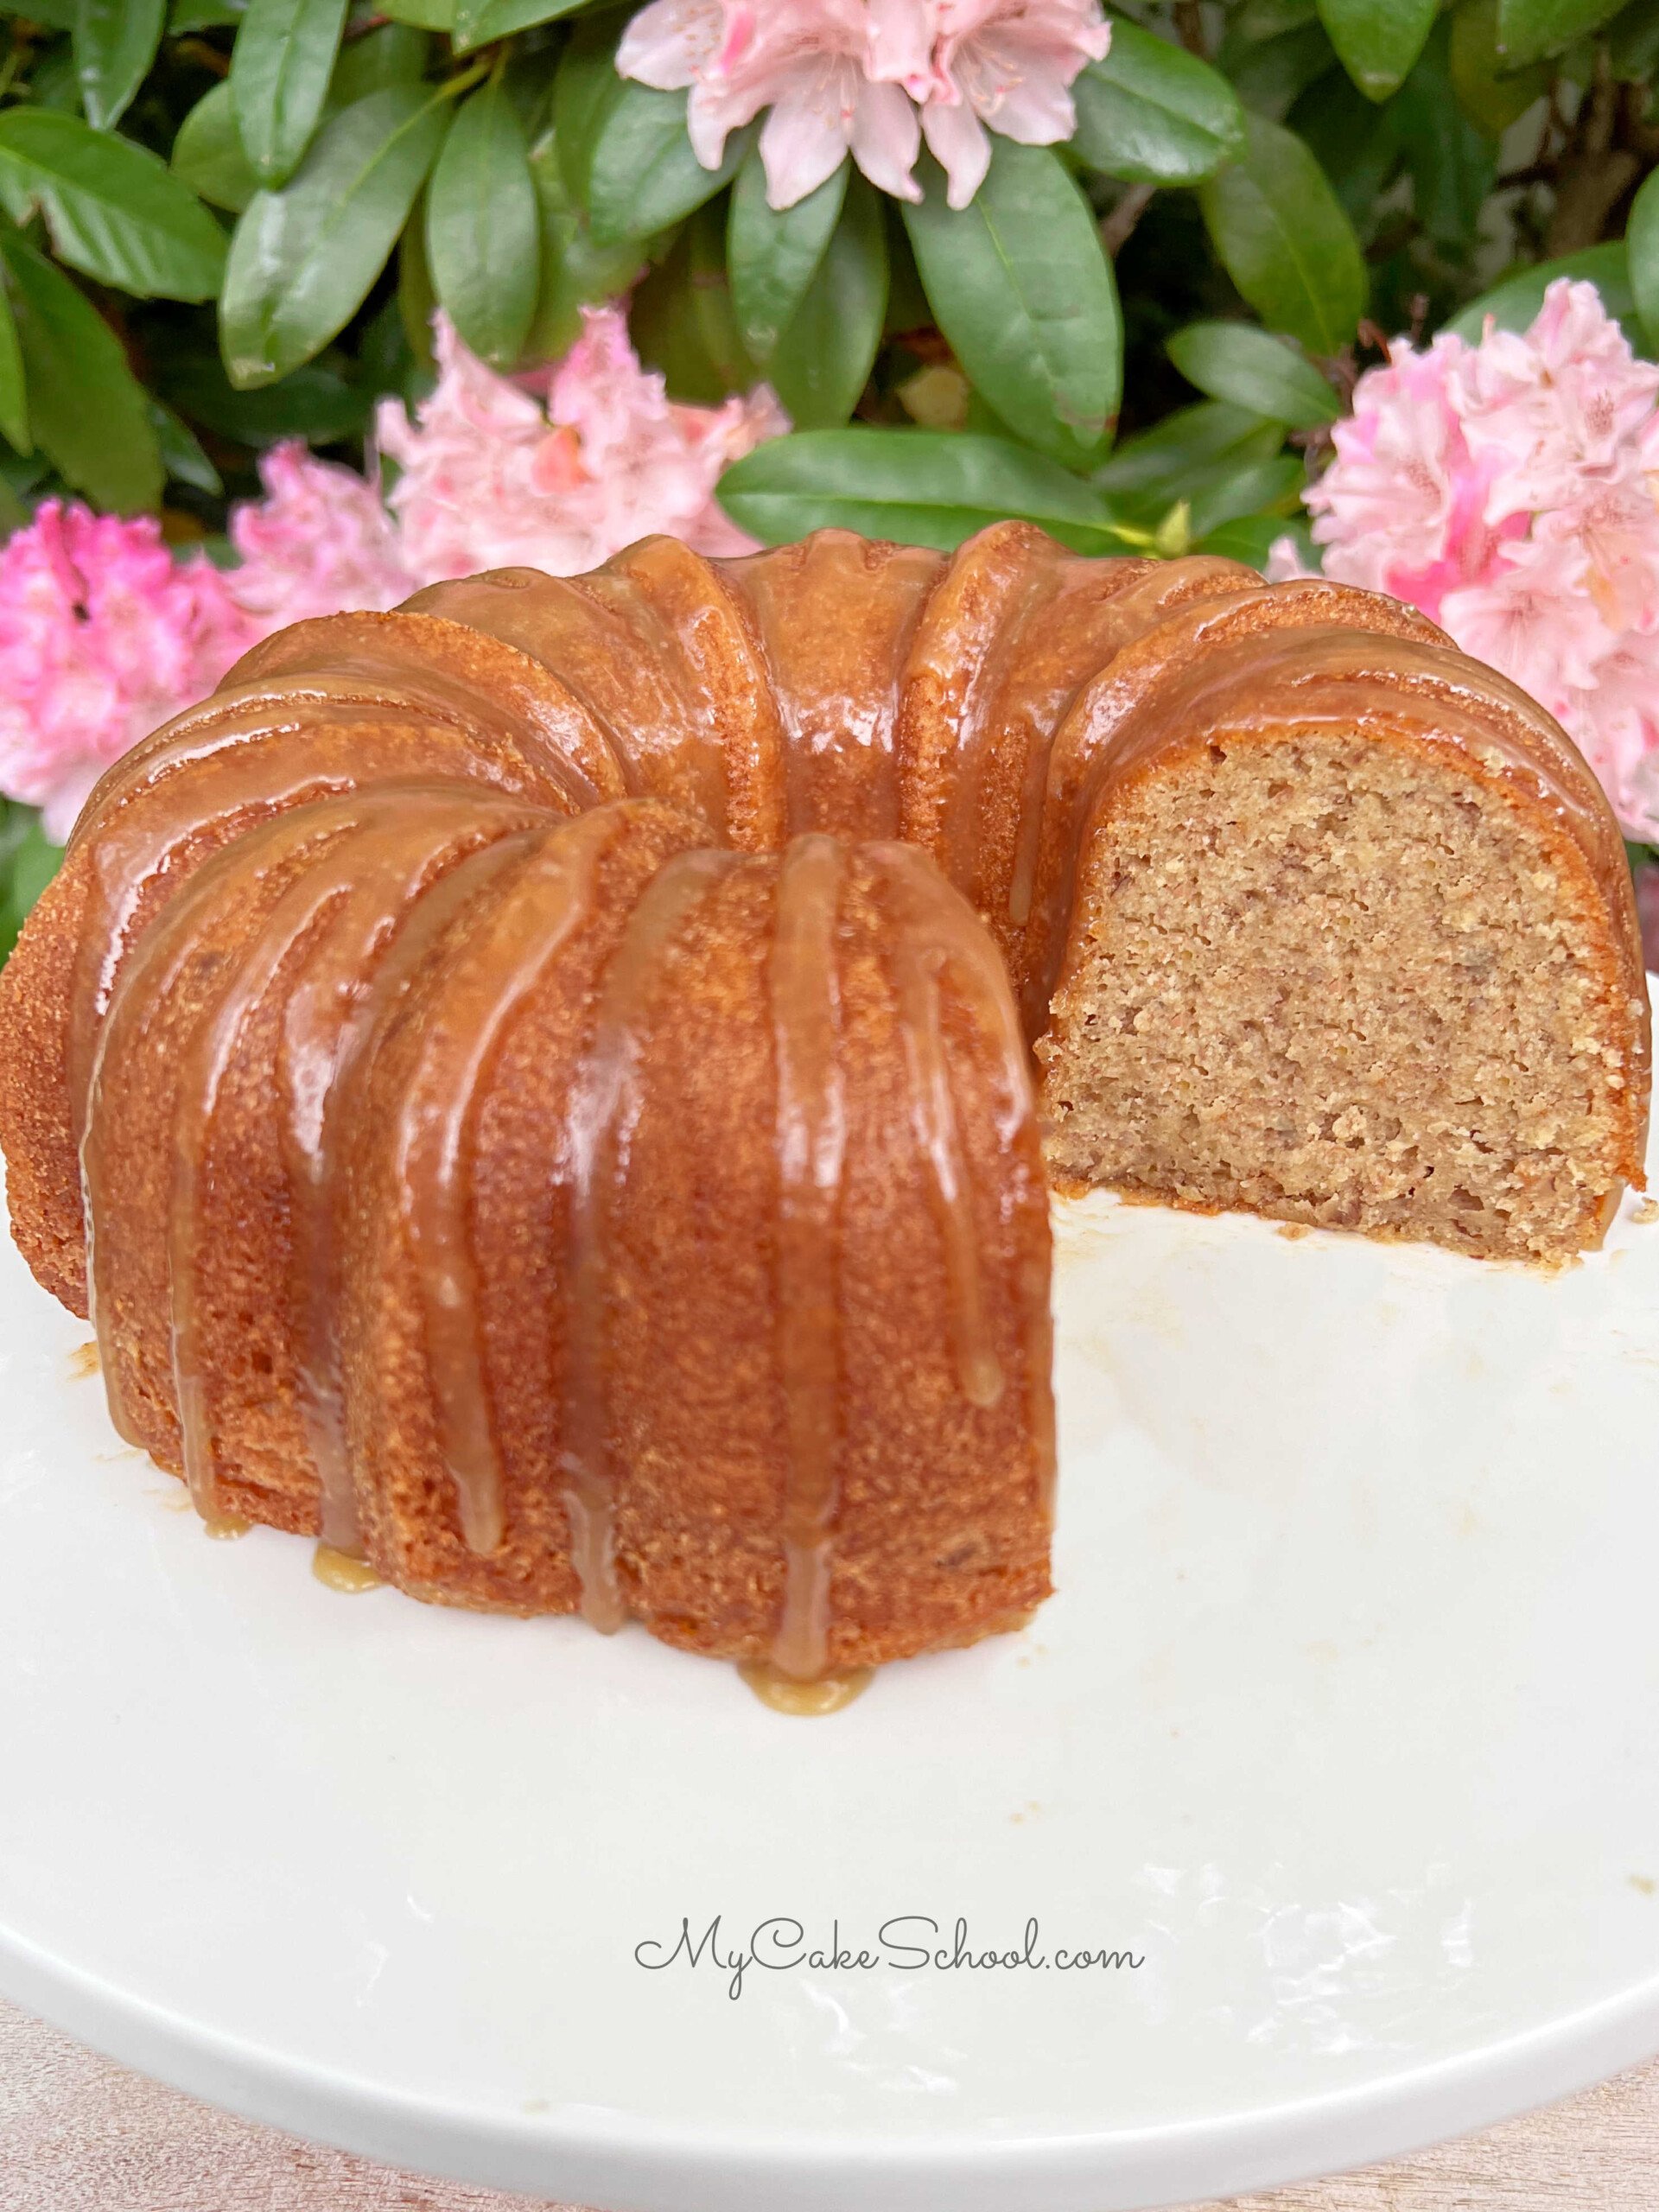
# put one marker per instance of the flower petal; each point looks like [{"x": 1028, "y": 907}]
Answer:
[
  {"x": 886, "y": 138},
  {"x": 668, "y": 43},
  {"x": 901, "y": 46},
  {"x": 957, "y": 138},
  {"x": 804, "y": 139}
]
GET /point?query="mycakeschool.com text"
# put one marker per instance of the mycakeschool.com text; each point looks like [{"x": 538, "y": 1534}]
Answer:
[{"x": 911, "y": 1942}]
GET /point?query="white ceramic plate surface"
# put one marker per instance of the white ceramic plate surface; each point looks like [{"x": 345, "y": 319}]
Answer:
[{"x": 1344, "y": 1725}]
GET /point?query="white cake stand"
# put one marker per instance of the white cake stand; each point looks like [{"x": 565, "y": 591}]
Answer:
[{"x": 1346, "y": 1725}]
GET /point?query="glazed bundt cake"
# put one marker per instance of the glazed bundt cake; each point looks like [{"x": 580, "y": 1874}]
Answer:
[{"x": 537, "y": 1087}]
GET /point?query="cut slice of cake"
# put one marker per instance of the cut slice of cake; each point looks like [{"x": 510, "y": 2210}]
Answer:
[{"x": 1354, "y": 945}]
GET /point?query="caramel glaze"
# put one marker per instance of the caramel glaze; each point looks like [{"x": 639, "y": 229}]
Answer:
[
  {"x": 374, "y": 990},
  {"x": 343, "y": 1570},
  {"x": 812, "y": 1140},
  {"x": 805, "y": 1700},
  {"x": 597, "y": 1135}
]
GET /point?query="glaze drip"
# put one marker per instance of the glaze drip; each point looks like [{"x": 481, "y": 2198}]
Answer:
[
  {"x": 808, "y": 1700},
  {"x": 600, "y": 1121},
  {"x": 342, "y": 1571},
  {"x": 919, "y": 959},
  {"x": 338, "y": 1006},
  {"x": 142, "y": 993},
  {"x": 390, "y": 843},
  {"x": 552, "y": 901},
  {"x": 812, "y": 1140}
]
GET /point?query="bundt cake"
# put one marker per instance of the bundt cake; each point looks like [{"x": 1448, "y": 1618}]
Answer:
[{"x": 537, "y": 1087}]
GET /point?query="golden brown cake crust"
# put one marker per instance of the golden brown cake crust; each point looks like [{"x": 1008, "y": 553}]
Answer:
[{"x": 578, "y": 1025}]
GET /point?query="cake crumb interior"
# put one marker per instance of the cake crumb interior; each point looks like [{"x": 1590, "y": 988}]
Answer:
[{"x": 1343, "y": 983}]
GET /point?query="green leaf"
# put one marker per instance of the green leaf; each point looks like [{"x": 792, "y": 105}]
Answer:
[
  {"x": 425, "y": 14},
  {"x": 186, "y": 15},
  {"x": 774, "y": 253},
  {"x": 280, "y": 67},
  {"x": 1514, "y": 301},
  {"x": 1260, "y": 19},
  {"x": 89, "y": 413},
  {"x": 1633, "y": 42},
  {"x": 681, "y": 319},
  {"x": 1269, "y": 77},
  {"x": 1642, "y": 247},
  {"x": 1154, "y": 114},
  {"x": 1355, "y": 141},
  {"x": 1281, "y": 236},
  {"x": 14, "y": 395},
  {"x": 34, "y": 863},
  {"x": 482, "y": 231},
  {"x": 208, "y": 154},
  {"x": 180, "y": 451},
  {"x": 640, "y": 173},
  {"x": 1490, "y": 93},
  {"x": 1453, "y": 164},
  {"x": 1237, "y": 361},
  {"x": 303, "y": 259},
  {"x": 1378, "y": 40},
  {"x": 394, "y": 54},
  {"x": 1528, "y": 29},
  {"x": 1233, "y": 492},
  {"x": 416, "y": 298},
  {"x": 823, "y": 359},
  {"x": 476, "y": 22},
  {"x": 922, "y": 487},
  {"x": 314, "y": 402},
  {"x": 708, "y": 299},
  {"x": 114, "y": 211},
  {"x": 115, "y": 43},
  {"x": 1250, "y": 539},
  {"x": 1022, "y": 289},
  {"x": 1180, "y": 453},
  {"x": 28, "y": 860},
  {"x": 575, "y": 272},
  {"x": 582, "y": 91},
  {"x": 53, "y": 82}
]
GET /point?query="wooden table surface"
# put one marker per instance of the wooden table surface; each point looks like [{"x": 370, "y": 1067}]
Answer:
[{"x": 79, "y": 2135}]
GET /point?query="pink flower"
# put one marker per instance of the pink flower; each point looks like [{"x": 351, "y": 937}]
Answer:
[
  {"x": 103, "y": 636},
  {"x": 850, "y": 75},
  {"x": 1285, "y": 562},
  {"x": 1551, "y": 412},
  {"x": 319, "y": 542},
  {"x": 1508, "y": 489},
  {"x": 808, "y": 61},
  {"x": 1614, "y": 721},
  {"x": 1007, "y": 65},
  {"x": 1401, "y": 508},
  {"x": 494, "y": 477},
  {"x": 1533, "y": 619}
]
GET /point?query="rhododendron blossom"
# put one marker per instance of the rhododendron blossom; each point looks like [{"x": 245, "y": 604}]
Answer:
[
  {"x": 1006, "y": 66},
  {"x": 321, "y": 540},
  {"x": 1508, "y": 489},
  {"x": 105, "y": 635},
  {"x": 808, "y": 61},
  {"x": 495, "y": 476},
  {"x": 869, "y": 77}
]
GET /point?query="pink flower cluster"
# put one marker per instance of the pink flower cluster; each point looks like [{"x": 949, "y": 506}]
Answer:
[
  {"x": 561, "y": 468},
  {"x": 104, "y": 634},
  {"x": 1508, "y": 489},
  {"x": 875, "y": 77}
]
